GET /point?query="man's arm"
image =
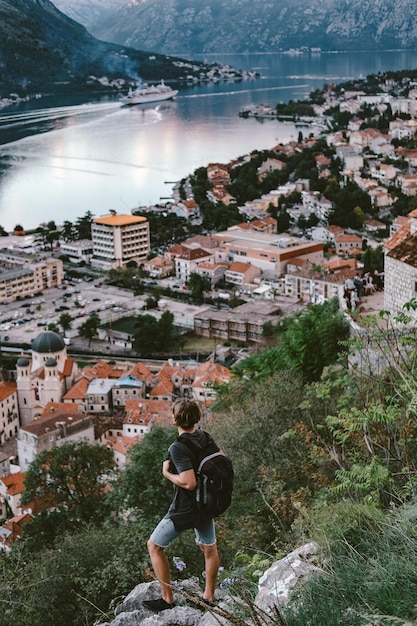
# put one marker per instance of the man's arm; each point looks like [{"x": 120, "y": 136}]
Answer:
[{"x": 185, "y": 480}]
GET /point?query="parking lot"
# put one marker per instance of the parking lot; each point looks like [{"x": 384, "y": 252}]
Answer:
[{"x": 22, "y": 320}]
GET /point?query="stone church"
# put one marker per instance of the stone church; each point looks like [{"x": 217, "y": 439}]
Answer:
[{"x": 45, "y": 377}]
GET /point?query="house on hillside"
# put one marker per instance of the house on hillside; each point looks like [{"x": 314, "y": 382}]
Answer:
[
  {"x": 56, "y": 426},
  {"x": 400, "y": 282},
  {"x": 9, "y": 414}
]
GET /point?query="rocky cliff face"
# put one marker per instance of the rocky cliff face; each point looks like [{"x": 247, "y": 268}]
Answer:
[{"x": 190, "y": 26}]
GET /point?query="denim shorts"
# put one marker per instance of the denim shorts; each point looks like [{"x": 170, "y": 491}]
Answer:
[{"x": 164, "y": 533}]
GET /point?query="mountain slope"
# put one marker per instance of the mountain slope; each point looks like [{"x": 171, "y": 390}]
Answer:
[
  {"x": 203, "y": 26},
  {"x": 41, "y": 48},
  {"x": 87, "y": 12}
]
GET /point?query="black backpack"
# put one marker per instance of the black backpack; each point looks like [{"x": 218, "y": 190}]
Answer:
[{"x": 214, "y": 473}]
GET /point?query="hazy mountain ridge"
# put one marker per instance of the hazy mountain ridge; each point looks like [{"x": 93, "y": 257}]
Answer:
[
  {"x": 43, "y": 49},
  {"x": 193, "y": 26},
  {"x": 88, "y": 12}
]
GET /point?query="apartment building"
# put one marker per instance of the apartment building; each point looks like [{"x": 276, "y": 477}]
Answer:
[
  {"x": 52, "y": 429},
  {"x": 268, "y": 252},
  {"x": 9, "y": 414},
  {"x": 245, "y": 323},
  {"x": 119, "y": 239},
  {"x": 21, "y": 278}
]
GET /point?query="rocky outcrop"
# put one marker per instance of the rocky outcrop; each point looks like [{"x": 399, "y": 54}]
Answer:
[
  {"x": 186, "y": 27},
  {"x": 277, "y": 583},
  {"x": 275, "y": 587}
]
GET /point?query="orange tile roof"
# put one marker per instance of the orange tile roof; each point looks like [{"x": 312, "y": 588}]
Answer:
[
  {"x": 68, "y": 366},
  {"x": 144, "y": 410},
  {"x": 45, "y": 423},
  {"x": 142, "y": 372},
  {"x": 398, "y": 237},
  {"x": 14, "y": 525},
  {"x": 119, "y": 220},
  {"x": 78, "y": 390},
  {"x": 210, "y": 372},
  {"x": 14, "y": 483},
  {"x": 121, "y": 443},
  {"x": 55, "y": 407},
  {"x": 7, "y": 389},
  {"x": 101, "y": 370},
  {"x": 239, "y": 267},
  {"x": 165, "y": 387}
]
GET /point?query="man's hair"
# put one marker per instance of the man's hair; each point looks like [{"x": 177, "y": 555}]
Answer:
[{"x": 186, "y": 413}]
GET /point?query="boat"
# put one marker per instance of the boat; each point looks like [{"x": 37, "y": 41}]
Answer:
[{"x": 144, "y": 93}]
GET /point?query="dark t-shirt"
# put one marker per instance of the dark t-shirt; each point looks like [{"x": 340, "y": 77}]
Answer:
[{"x": 181, "y": 461}]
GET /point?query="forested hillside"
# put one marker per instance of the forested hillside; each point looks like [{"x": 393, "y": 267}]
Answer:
[
  {"x": 322, "y": 451},
  {"x": 43, "y": 49}
]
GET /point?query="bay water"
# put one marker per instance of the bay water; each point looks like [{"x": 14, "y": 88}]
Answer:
[{"x": 63, "y": 156}]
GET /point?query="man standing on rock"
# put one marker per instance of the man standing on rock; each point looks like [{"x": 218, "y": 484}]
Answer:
[{"x": 181, "y": 515}]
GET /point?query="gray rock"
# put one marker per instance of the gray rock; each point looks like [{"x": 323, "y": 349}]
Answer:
[
  {"x": 276, "y": 584},
  {"x": 274, "y": 588}
]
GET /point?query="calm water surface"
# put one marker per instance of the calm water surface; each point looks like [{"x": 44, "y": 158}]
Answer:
[{"x": 62, "y": 157}]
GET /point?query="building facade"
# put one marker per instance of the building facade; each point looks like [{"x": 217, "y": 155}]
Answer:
[
  {"x": 20, "y": 278},
  {"x": 118, "y": 240}
]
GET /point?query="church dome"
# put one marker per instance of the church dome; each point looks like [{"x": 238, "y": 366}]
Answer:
[
  {"x": 23, "y": 361},
  {"x": 50, "y": 362},
  {"x": 48, "y": 342}
]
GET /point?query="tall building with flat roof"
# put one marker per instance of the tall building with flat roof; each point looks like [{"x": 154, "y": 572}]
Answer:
[{"x": 118, "y": 239}]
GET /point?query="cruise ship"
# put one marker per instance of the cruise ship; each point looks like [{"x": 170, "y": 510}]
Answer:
[{"x": 144, "y": 94}]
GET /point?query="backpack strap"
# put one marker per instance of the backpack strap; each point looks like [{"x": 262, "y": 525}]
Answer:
[{"x": 196, "y": 449}]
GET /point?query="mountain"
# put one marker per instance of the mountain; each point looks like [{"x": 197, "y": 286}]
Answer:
[
  {"x": 88, "y": 12},
  {"x": 41, "y": 49},
  {"x": 188, "y": 27}
]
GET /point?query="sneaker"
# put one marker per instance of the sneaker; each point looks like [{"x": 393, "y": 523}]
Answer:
[{"x": 158, "y": 605}]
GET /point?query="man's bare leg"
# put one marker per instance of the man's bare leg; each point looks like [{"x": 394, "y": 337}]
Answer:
[
  {"x": 160, "y": 566},
  {"x": 212, "y": 561}
]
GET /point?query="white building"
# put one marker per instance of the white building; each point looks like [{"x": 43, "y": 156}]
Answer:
[
  {"x": 78, "y": 251},
  {"x": 45, "y": 377},
  {"x": 9, "y": 415},
  {"x": 52, "y": 430},
  {"x": 400, "y": 283},
  {"x": 119, "y": 239}
]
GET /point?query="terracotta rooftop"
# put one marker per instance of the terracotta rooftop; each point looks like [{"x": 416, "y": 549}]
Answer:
[
  {"x": 7, "y": 389},
  {"x": 406, "y": 251},
  {"x": 119, "y": 220}
]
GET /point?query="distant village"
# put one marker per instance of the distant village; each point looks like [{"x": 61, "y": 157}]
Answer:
[{"x": 49, "y": 399}]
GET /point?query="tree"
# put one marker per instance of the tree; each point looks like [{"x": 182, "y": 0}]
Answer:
[
  {"x": 88, "y": 330},
  {"x": 68, "y": 232},
  {"x": 198, "y": 285},
  {"x": 142, "y": 486},
  {"x": 152, "y": 335},
  {"x": 307, "y": 342},
  {"x": 3, "y": 233},
  {"x": 69, "y": 480},
  {"x": 65, "y": 321},
  {"x": 83, "y": 226},
  {"x": 253, "y": 426}
]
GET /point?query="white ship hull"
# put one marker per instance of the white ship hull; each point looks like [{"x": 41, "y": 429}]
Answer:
[{"x": 144, "y": 94}]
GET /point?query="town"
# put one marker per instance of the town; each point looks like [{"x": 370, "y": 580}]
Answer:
[{"x": 329, "y": 215}]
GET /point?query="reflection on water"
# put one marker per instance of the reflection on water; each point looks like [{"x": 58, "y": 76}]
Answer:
[{"x": 62, "y": 157}]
